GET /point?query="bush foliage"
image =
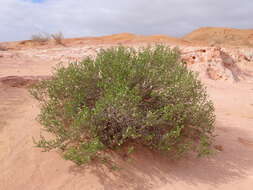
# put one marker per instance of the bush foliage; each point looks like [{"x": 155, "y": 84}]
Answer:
[{"x": 123, "y": 96}]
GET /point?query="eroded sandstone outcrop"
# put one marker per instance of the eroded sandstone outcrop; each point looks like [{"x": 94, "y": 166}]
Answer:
[{"x": 219, "y": 63}]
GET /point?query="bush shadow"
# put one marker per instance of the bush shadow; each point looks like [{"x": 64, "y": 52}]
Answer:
[{"x": 148, "y": 169}]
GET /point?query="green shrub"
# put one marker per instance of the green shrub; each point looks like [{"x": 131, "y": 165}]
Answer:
[{"x": 125, "y": 96}]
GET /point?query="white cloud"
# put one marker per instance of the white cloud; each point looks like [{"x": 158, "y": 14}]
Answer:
[{"x": 19, "y": 19}]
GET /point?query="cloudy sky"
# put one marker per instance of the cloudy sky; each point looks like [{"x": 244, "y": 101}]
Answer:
[{"x": 19, "y": 19}]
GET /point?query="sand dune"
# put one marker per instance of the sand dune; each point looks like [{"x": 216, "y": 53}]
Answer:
[{"x": 221, "y": 36}]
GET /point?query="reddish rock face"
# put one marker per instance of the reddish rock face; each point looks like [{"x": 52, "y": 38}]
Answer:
[{"x": 217, "y": 63}]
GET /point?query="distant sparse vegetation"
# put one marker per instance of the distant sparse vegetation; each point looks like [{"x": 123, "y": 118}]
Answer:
[
  {"x": 3, "y": 48},
  {"x": 58, "y": 37},
  {"x": 45, "y": 37},
  {"x": 40, "y": 38},
  {"x": 123, "y": 96}
]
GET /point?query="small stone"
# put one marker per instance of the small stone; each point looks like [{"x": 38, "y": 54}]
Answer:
[{"x": 219, "y": 147}]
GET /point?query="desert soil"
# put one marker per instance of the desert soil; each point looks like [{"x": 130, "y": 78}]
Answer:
[{"x": 25, "y": 167}]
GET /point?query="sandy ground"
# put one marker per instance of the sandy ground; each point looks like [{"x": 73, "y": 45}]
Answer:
[{"x": 25, "y": 167}]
